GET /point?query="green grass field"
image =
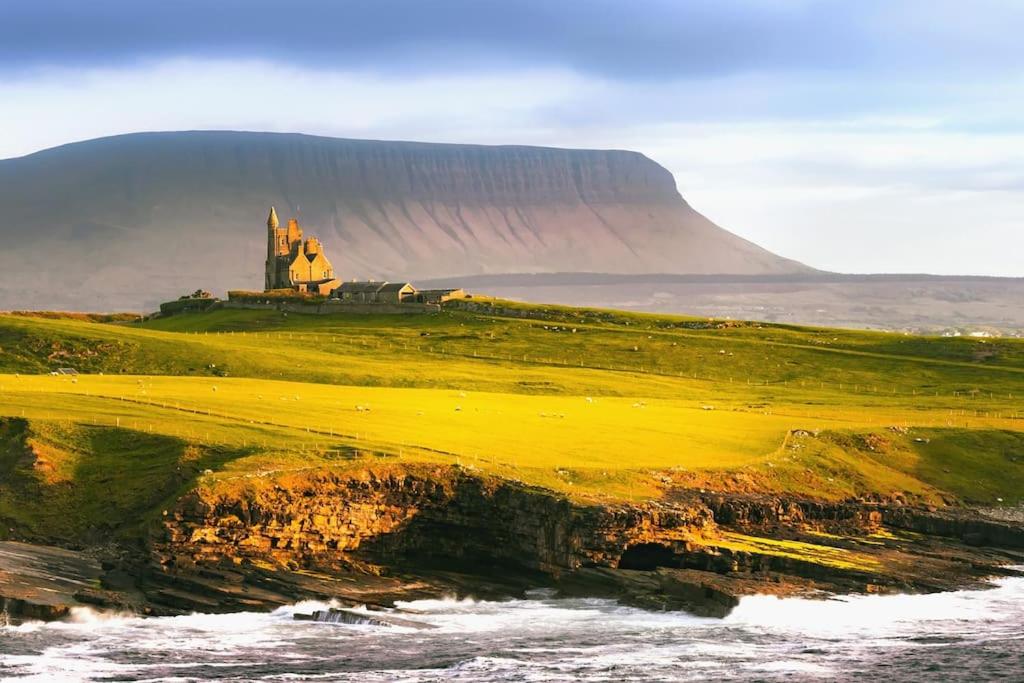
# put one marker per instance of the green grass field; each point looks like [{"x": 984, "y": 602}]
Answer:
[{"x": 598, "y": 404}]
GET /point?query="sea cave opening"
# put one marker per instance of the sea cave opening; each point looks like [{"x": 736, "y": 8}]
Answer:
[{"x": 647, "y": 557}]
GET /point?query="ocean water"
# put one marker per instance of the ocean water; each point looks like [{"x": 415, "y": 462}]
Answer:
[{"x": 962, "y": 636}]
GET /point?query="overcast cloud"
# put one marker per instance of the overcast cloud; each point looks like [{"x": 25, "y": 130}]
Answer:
[{"x": 858, "y": 136}]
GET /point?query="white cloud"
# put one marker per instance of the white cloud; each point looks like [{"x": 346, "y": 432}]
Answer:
[
  {"x": 931, "y": 187},
  {"x": 56, "y": 107},
  {"x": 858, "y": 197}
]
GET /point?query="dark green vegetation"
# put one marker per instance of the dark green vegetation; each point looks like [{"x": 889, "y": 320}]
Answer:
[
  {"x": 765, "y": 359},
  {"x": 82, "y": 484}
]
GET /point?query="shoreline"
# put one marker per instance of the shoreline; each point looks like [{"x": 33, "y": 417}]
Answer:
[{"x": 378, "y": 537}]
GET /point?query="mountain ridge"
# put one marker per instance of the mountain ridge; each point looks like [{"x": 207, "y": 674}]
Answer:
[{"x": 128, "y": 220}]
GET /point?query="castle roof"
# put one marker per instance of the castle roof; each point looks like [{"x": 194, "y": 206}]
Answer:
[
  {"x": 361, "y": 287},
  {"x": 272, "y": 221},
  {"x": 443, "y": 290}
]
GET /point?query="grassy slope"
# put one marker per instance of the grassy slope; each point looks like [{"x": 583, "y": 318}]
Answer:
[
  {"x": 598, "y": 404},
  {"x": 79, "y": 482}
]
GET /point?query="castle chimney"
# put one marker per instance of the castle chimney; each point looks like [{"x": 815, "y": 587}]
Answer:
[{"x": 294, "y": 231}]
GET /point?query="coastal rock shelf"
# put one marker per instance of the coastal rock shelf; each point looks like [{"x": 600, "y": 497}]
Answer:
[
  {"x": 46, "y": 583},
  {"x": 442, "y": 529},
  {"x": 375, "y": 536},
  {"x": 351, "y": 616}
]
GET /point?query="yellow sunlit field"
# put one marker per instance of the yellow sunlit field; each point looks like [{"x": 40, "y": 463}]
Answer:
[
  {"x": 528, "y": 430},
  {"x": 595, "y": 404}
]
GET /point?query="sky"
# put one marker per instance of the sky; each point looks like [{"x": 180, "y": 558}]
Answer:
[{"x": 867, "y": 136}]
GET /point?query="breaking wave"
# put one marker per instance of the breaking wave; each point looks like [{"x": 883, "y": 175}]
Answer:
[{"x": 967, "y": 635}]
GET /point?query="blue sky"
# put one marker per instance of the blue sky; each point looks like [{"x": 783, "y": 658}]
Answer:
[{"x": 859, "y": 136}]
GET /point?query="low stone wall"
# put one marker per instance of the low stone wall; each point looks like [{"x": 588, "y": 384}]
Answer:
[
  {"x": 188, "y": 305},
  {"x": 488, "y": 308},
  {"x": 329, "y": 307}
]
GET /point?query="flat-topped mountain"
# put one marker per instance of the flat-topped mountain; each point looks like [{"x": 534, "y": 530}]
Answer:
[{"x": 126, "y": 221}]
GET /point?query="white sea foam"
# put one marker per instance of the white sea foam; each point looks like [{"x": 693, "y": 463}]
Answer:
[
  {"x": 537, "y": 639},
  {"x": 446, "y": 604},
  {"x": 24, "y": 627},
  {"x": 879, "y": 615},
  {"x": 90, "y": 616},
  {"x": 304, "y": 607}
]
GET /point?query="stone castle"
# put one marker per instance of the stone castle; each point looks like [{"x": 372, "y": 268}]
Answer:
[
  {"x": 297, "y": 267},
  {"x": 300, "y": 264},
  {"x": 294, "y": 262}
]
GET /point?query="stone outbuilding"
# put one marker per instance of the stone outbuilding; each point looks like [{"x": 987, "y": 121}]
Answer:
[
  {"x": 439, "y": 296},
  {"x": 358, "y": 292}
]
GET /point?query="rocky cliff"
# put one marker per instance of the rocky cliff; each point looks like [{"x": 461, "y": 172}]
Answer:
[
  {"x": 131, "y": 220},
  {"x": 418, "y": 516},
  {"x": 417, "y": 526},
  {"x": 380, "y": 534}
]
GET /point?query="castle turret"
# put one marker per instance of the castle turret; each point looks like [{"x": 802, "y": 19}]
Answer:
[
  {"x": 276, "y": 246},
  {"x": 272, "y": 224}
]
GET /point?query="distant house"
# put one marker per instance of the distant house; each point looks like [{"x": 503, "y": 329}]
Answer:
[
  {"x": 439, "y": 296},
  {"x": 375, "y": 292},
  {"x": 64, "y": 371}
]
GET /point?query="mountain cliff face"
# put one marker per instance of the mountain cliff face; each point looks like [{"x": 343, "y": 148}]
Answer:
[{"x": 127, "y": 221}]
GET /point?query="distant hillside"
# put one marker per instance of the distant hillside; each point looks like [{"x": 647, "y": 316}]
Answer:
[
  {"x": 923, "y": 304},
  {"x": 127, "y": 221}
]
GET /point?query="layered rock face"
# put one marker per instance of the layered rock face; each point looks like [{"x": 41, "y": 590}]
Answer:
[
  {"x": 419, "y": 517},
  {"x": 692, "y": 553},
  {"x": 131, "y": 220},
  {"x": 384, "y": 534}
]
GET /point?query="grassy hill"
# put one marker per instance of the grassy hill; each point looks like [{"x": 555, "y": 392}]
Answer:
[{"x": 597, "y": 404}]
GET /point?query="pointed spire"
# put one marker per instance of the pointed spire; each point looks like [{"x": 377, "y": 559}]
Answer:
[{"x": 272, "y": 221}]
